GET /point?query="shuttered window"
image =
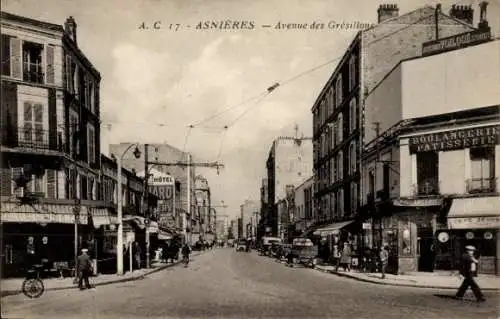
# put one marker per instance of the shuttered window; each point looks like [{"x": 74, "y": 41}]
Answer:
[
  {"x": 5, "y": 54},
  {"x": 49, "y": 62},
  {"x": 33, "y": 132},
  {"x": 91, "y": 144},
  {"x": 51, "y": 183},
  {"x": 15, "y": 58}
]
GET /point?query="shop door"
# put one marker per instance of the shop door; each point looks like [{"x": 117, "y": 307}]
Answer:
[{"x": 426, "y": 253}]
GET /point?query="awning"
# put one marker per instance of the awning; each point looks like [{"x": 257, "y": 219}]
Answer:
[
  {"x": 41, "y": 213},
  {"x": 470, "y": 213},
  {"x": 153, "y": 227},
  {"x": 163, "y": 235},
  {"x": 139, "y": 221},
  {"x": 332, "y": 228},
  {"x": 100, "y": 217}
]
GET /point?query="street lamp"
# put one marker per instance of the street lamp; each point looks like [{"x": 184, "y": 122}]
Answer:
[{"x": 119, "y": 244}]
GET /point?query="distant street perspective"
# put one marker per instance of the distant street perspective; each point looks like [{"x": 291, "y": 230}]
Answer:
[{"x": 224, "y": 283}]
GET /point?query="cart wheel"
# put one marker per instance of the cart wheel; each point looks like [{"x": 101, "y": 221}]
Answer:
[{"x": 33, "y": 288}]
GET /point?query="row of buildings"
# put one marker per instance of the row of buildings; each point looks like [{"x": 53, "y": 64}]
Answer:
[
  {"x": 58, "y": 192},
  {"x": 404, "y": 147}
]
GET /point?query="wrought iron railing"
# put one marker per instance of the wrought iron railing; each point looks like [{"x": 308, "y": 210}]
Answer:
[
  {"x": 32, "y": 138},
  {"x": 481, "y": 185},
  {"x": 33, "y": 72}
]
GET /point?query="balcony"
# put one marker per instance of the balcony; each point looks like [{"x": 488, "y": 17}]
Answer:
[
  {"x": 33, "y": 72},
  {"x": 29, "y": 138},
  {"x": 426, "y": 188},
  {"x": 481, "y": 185}
]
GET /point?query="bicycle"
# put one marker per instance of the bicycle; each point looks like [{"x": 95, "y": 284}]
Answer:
[{"x": 32, "y": 285}]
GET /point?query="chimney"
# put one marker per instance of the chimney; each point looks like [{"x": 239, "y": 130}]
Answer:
[
  {"x": 70, "y": 28},
  {"x": 483, "y": 19},
  {"x": 463, "y": 13},
  {"x": 387, "y": 11}
]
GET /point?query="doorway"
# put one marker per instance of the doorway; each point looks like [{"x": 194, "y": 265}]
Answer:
[{"x": 426, "y": 251}]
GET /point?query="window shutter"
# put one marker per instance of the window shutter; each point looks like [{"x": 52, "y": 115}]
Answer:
[
  {"x": 15, "y": 58},
  {"x": 49, "y": 62},
  {"x": 16, "y": 173},
  {"x": 69, "y": 73},
  {"x": 5, "y": 54},
  {"x": 5, "y": 185},
  {"x": 51, "y": 183}
]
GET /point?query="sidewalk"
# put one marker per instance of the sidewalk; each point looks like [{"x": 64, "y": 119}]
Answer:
[
  {"x": 12, "y": 286},
  {"x": 419, "y": 280}
]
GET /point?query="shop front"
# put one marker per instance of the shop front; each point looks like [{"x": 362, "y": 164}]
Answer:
[{"x": 476, "y": 222}]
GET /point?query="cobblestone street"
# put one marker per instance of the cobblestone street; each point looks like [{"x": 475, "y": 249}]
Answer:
[{"x": 226, "y": 284}]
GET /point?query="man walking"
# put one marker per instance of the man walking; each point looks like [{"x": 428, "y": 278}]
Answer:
[
  {"x": 137, "y": 255},
  {"x": 384, "y": 260},
  {"x": 468, "y": 270},
  {"x": 84, "y": 268}
]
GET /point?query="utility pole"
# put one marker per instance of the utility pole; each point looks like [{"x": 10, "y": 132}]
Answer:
[
  {"x": 184, "y": 219},
  {"x": 377, "y": 159},
  {"x": 146, "y": 201}
]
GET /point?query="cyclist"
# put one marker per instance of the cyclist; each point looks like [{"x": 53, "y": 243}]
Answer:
[{"x": 186, "y": 250}]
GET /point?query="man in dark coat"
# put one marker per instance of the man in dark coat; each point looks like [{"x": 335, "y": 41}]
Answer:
[
  {"x": 84, "y": 268},
  {"x": 468, "y": 270}
]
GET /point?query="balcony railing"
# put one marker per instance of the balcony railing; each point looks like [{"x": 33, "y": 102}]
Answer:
[
  {"x": 427, "y": 188},
  {"x": 481, "y": 185},
  {"x": 33, "y": 72},
  {"x": 32, "y": 138}
]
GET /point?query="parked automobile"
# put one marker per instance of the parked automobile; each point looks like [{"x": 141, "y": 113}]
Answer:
[{"x": 241, "y": 245}]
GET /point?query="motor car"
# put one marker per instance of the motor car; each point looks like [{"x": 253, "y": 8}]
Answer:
[{"x": 241, "y": 245}]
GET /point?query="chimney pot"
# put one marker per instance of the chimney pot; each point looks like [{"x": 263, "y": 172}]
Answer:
[
  {"x": 387, "y": 11},
  {"x": 70, "y": 28}
]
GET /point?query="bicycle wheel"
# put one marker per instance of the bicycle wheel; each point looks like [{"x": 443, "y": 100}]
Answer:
[{"x": 33, "y": 288}]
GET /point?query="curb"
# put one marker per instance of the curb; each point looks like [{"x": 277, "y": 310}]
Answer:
[
  {"x": 114, "y": 281},
  {"x": 397, "y": 284}
]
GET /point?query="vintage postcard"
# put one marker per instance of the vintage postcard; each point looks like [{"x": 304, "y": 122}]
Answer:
[{"x": 250, "y": 159}]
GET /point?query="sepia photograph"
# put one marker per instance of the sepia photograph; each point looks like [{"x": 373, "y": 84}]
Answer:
[{"x": 250, "y": 159}]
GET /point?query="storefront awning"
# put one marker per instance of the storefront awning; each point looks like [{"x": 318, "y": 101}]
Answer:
[
  {"x": 42, "y": 213},
  {"x": 139, "y": 221},
  {"x": 163, "y": 235},
  {"x": 153, "y": 227},
  {"x": 100, "y": 217},
  {"x": 474, "y": 213},
  {"x": 332, "y": 228}
]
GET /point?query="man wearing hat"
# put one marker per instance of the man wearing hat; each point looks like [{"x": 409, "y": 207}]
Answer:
[
  {"x": 468, "y": 269},
  {"x": 84, "y": 268}
]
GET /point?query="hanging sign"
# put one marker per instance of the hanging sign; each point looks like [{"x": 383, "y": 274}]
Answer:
[{"x": 443, "y": 237}]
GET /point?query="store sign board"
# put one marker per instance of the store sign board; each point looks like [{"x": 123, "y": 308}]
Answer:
[
  {"x": 474, "y": 222},
  {"x": 457, "y": 139},
  {"x": 456, "y": 42}
]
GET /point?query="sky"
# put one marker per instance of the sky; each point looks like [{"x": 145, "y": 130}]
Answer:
[{"x": 157, "y": 82}]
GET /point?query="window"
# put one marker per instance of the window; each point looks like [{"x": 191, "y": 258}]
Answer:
[
  {"x": 36, "y": 184},
  {"x": 354, "y": 197},
  {"x": 338, "y": 90},
  {"x": 340, "y": 165},
  {"x": 92, "y": 97},
  {"x": 427, "y": 173},
  {"x": 352, "y": 157},
  {"x": 334, "y": 134},
  {"x": 33, "y": 129},
  {"x": 482, "y": 170},
  {"x": 5, "y": 52},
  {"x": 352, "y": 72},
  {"x": 32, "y": 62},
  {"x": 352, "y": 115},
  {"x": 340, "y": 201},
  {"x": 73, "y": 135},
  {"x": 341, "y": 128},
  {"x": 91, "y": 144}
]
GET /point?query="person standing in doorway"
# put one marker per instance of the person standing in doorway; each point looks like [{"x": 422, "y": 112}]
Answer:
[
  {"x": 468, "y": 270},
  {"x": 137, "y": 255},
  {"x": 84, "y": 268},
  {"x": 384, "y": 260}
]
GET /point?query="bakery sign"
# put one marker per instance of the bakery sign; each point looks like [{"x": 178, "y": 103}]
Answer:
[{"x": 453, "y": 140}]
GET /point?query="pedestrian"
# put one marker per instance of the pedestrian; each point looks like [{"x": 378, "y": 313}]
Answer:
[
  {"x": 345, "y": 258},
  {"x": 137, "y": 255},
  {"x": 384, "y": 260},
  {"x": 84, "y": 268},
  {"x": 468, "y": 270}
]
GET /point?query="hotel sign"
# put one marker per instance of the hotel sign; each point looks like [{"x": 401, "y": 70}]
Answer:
[
  {"x": 456, "y": 42},
  {"x": 453, "y": 140}
]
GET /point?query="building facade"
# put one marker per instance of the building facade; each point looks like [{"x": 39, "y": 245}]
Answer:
[
  {"x": 340, "y": 127},
  {"x": 50, "y": 117},
  {"x": 289, "y": 163},
  {"x": 303, "y": 202},
  {"x": 203, "y": 203},
  {"x": 431, "y": 178},
  {"x": 248, "y": 212}
]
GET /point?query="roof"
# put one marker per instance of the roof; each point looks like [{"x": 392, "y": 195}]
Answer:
[{"x": 33, "y": 22}]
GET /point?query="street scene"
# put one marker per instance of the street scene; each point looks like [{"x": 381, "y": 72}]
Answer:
[
  {"x": 226, "y": 284},
  {"x": 273, "y": 159}
]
